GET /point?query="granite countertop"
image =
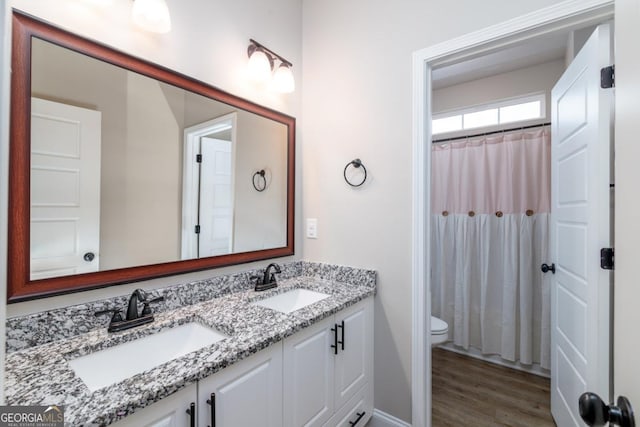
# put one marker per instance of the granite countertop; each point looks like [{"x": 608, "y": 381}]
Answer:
[{"x": 42, "y": 375}]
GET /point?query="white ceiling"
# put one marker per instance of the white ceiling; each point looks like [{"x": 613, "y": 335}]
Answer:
[{"x": 537, "y": 51}]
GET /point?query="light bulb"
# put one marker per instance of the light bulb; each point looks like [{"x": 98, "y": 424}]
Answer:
[
  {"x": 152, "y": 15},
  {"x": 259, "y": 66},
  {"x": 283, "y": 80}
]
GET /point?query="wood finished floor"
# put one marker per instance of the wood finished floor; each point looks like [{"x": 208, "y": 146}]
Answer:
[{"x": 470, "y": 392}]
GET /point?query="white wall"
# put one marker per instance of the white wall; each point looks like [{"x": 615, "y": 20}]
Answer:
[
  {"x": 209, "y": 42},
  {"x": 535, "y": 79},
  {"x": 260, "y": 217},
  {"x": 627, "y": 226},
  {"x": 357, "y": 103}
]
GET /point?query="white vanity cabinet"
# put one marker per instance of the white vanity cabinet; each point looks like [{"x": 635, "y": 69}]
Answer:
[
  {"x": 327, "y": 366},
  {"x": 248, "y": 393},
  {"x": 309, "y": 379},
  {"x": 169, "y": 412},
  {"x": 321, "y": 376}
]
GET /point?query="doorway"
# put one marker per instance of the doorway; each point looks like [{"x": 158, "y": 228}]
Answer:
[
  {"x": 208, "y": 188},
  {"x": 563, "y": 17}
]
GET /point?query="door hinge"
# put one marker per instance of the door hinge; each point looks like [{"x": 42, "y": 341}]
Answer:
[
  {"x": 608, "y": 77},
  {"x": 198, "y": 158},
  {"x": 606, "y": 258},
  {"x": 197, "y": 229}
]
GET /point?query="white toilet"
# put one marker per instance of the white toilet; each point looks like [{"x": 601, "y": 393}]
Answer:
[{"x": 439, "y": 331}]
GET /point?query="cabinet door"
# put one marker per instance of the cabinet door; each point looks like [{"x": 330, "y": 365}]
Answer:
[
  {"x": 247, "y": 394},
  {"x": 309, "y": 376},
  {"x": 169, "y": 412},
  {"x": 354, "y": 361}
]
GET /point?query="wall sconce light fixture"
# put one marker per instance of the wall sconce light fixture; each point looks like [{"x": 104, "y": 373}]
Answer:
[
  {"x": 261, "y": 63},
  {"x": 152, "y": 15}
]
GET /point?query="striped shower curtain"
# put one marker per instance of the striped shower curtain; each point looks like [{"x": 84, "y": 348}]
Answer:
[{"x": 490, "y": 230}]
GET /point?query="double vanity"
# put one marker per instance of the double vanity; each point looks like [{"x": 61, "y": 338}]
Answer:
[
  {"x": 297, "y": 354},
  {"x": 229, "y": 351}
]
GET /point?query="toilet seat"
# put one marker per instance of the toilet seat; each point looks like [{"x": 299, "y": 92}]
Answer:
[
  {"x": 438, "y": 326},
  {"x": 439, "y": 331}
]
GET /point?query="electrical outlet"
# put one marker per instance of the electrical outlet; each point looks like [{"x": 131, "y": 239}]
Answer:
[{"x": 312, "y": 228}]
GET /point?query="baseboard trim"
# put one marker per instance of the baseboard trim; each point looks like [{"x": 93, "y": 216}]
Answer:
[
  {"x": 534, "y": 369},
  {"x": 382, "y": 419}
]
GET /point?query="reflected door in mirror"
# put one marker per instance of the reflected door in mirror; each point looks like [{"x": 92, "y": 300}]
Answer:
[
  {"x": 65, "y": 189},
  {"x": 216, "y": 197}
]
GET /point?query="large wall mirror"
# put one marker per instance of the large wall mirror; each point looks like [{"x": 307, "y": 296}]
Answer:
[{"x": 121, "y": 170}]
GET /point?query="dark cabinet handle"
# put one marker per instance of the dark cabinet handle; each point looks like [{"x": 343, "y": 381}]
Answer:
[
  {"x": 212, "y": 402},
  {"x": 341, "y": 342},
  {"x": 360, "y": 415},
  {"x": 89, "y": 256},
  {"x": 595, "y": 412},
  {"x": 334, "y": 346},
  {"x": 545, "y": 268},
  {"x": 192, "y": 414}
]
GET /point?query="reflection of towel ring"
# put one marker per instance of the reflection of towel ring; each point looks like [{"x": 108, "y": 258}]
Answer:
[
  {"x": 261, "y": 177},
  {"x": 356, "y": 163}
]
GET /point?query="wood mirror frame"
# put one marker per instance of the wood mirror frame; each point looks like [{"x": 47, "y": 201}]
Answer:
[{"x": 20, "y": 286}]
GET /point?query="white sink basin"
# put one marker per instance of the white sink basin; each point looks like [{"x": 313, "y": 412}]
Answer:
[
  {"x": 114, "y": 364},
  {"x": 292, "y": 300}
]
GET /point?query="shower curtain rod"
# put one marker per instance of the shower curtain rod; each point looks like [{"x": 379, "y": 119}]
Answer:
[{"x": 490, "y": 133}]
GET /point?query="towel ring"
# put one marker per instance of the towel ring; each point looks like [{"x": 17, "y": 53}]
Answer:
[
  {"x": 261, "y": 177},
  {"x": 356, "y": 163}
]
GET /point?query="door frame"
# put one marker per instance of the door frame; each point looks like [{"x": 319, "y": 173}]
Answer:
[
  {"x": 191, "y": 176},
  {"x": 562, "y": 16}
]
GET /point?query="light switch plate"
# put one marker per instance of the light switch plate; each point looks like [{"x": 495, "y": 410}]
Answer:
[{"x": 312, "y": 228}]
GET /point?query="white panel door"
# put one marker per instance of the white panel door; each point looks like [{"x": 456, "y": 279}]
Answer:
[
  {"x": 580, "y": 226},
  {"x": 216, "y": 197},
  {"x": 354, "y": 364},
  {"x": 309, "y": 376},
  {"x": 169, "y": 412},
  {"x": 65, "y": 189},
  {"x": 244, "y": 395}
]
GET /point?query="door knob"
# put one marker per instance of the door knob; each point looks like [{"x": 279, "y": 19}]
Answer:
[
  {"x": 89, "y": 256},
  {"x": 545, "y": 268},
  {"x": 595, "y": 412}
]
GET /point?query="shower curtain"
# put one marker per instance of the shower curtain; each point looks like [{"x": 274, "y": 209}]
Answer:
[{"x": 490, "y": 227}]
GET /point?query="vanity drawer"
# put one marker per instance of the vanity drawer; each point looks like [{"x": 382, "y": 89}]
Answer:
[{"x": 356, "y": 412}]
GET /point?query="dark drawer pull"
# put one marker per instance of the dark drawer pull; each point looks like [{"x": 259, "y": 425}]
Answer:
[
  {"x": 192, "y": 414},
  {"x": 360, "y": 415},
  {"x": 334, "y": 346},
  {"x": 212, "y": 402},
  {"x": 341, "y": 342}
]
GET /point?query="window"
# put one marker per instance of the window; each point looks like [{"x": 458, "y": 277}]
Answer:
[
  {"x": 447, "y": 124},
  {"x": 511, "y": 111},
  {"x": 481, "y": 118}
]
